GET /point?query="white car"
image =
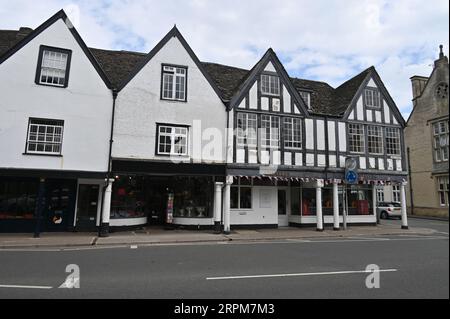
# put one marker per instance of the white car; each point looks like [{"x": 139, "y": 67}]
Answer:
[{"x": 387, "y": 210}]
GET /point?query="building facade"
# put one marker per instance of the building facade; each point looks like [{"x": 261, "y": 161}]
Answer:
[
  {"x": 175, "y": 140},
  {"x": 426, "y": 137},
  {"x": 55, "y": 115}
]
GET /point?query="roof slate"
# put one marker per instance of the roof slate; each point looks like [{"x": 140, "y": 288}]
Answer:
[{"x": 118, "y": 65}]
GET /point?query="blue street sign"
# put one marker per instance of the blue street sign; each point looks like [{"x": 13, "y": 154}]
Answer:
[{"x": 351, "y": 177}]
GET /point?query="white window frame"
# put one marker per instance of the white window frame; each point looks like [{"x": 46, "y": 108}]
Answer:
[
  {"x": 54, "y": 65},
  {"x": 247, "y": 135},
  {"x": 45, "y": 133},
  {"x": 238, "y": 186},
  {"x": 270, "y": 140},
  {"x": 441, "y": 141},
  {"x": 372, "y": 98},
  {"x": 306, "y": 96},
  {"x": 353, "y": 147},
  {"x": 170, "y": 89},
  {"x": 396, "y": 193},
  {"x": 173, "y": 135},
  {"x": 380, "y": 194},
  {"x": 375, "y": 135},
  {"x": 292, "y": 130},
  {"x": 442, "y": 188},
  {"x": 392, "y": 142},
  {"x": 270, "y": 83}
]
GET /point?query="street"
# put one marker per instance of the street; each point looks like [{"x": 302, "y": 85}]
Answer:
[{"x": 411, "y": 266}]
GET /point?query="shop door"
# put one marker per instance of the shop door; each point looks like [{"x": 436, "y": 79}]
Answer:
[
  {"x": 283, "y": 204},
  {"x": 87, "y": 206},
  {"x": 60, "y": 204}
]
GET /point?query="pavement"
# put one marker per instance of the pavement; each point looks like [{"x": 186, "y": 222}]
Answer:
[{"x": 152, "y": 235}]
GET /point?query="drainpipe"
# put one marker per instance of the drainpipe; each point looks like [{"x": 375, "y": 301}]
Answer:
[
  {"x": 411, "y": 192},
  {"x": 104, "y": 227},
  {"x": 224, "y": 202}
]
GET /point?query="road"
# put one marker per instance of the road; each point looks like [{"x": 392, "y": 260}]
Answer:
[{"x": 411, "y": 267}]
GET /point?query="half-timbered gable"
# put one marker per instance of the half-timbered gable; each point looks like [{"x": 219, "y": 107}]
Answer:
[
  {"x": 268, "y": 117},
  {"x": 375, "y": 126}
]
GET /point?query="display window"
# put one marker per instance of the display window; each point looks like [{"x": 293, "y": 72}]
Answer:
[{"x": 18, "y": 198}]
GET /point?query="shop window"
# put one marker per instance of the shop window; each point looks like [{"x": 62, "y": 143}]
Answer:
[
  {"x": 241, "y": 194},
  {"x": 327, "y": 201},
  {"x": 308, "y": 200},
  {"x": 359, "y": 200},
  {"x": 147, "y": 196},
  {"x": 128, "y": 198},
  {"x": 17, "y": 199},
  {"x": 193, "y": 196},
  {"x": 295, "y": 201}
]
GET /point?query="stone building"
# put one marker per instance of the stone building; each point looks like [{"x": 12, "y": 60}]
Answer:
[{"x": 426, "y": 137}]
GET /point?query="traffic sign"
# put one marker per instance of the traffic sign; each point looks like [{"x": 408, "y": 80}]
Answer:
[{"x": 351, "y": 177}]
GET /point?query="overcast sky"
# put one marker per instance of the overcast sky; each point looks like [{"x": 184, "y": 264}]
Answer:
[{"x": 325, "y": 40}]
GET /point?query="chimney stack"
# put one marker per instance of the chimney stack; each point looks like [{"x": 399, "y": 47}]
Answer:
[{"x": 418, "y": 84}]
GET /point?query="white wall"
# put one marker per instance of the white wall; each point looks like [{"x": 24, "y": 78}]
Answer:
[
  {"x": 139, "y": 108},
  {"x": 85, "y": 106},
  {"x": 264, "y": 208}
]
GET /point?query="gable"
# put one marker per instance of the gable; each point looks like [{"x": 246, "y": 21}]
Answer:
[
  {"x": 183, "y": 48},
  {"x": 250, "y": 95},
  {"x": 57, "y": 32},
  {"x": 383, "y": 112}
]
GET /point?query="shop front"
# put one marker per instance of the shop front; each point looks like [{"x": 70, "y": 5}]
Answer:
[
  {"x": 49, "y": 204},
  {"x": 19, "y": 198},
  {"x": 145, "y": 200}
]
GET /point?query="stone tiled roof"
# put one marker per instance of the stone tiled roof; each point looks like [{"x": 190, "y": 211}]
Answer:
[
  {"x": 8, "y": 38},
  {"x": 118, "y": 65}
]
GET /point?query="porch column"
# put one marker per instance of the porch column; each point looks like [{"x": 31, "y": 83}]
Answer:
[
  {"x": 403, "y": 203},
  {"x": 217, "y": 205},
  {"x": 335, "y": 206},
  {"x": 319, "y": 215},
  {"x": 226, "y": 204},
  {"x": 106, "y": 211}
]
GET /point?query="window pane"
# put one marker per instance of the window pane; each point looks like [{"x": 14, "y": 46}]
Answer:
[
  {"x": 234, "y": 197},
  {"x": 246, "y": 197},
  {"x": 356, "y": 138}
]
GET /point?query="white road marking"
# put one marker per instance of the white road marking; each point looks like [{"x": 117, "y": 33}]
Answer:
[
  {"x": 25, "y": 287},
  {"x": 302, "y": 274},
  {"x": 133, "y": 247}
]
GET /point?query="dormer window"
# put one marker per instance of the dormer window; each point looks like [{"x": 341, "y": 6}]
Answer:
[
  {"x": 270, "y": 85},
  {"x": 53, "y": 66},
  {"x": 306, "y": 96},
  {"x": 372, "y": 98},
  {"x": 174, "y": 83}
]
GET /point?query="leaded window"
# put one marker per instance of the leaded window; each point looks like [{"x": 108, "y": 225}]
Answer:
[
  {"x": 270, "y": 84},
  {"x": 375, "y": 139},
  {"x": 372, "y": 98},
  {"x": 270, "y": 131},
  {"x": 440, "y": 141},
  {"x": 292, "y": 128},
  {"x": 247, "y": 126},
  {"x": 392, "y": 139},
  {"x": 356, "y": 138}
]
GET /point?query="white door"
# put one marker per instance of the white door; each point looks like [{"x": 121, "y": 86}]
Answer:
[{"x": 283, "y": 207}]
